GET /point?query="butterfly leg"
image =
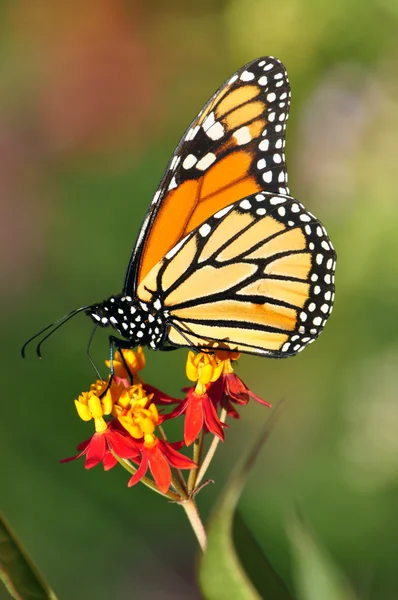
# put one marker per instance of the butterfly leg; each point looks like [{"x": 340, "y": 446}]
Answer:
[
  {"x": 199, "y": 348},
  {"x": 119, "y": 344},
  {"x": 189, "y": 342}
]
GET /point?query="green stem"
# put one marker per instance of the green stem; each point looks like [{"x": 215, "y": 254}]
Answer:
[
  {"x": 192, "y": 513},
  {"x": 210, "y": 453},
  {"x": 197, "y": 455},
  {"x": 179, "y": 488}
]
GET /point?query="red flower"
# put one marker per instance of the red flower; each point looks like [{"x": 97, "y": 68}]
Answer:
[
  {"x": 158, "y": 456},
  {"x": 229, "y": 389},
  {"x": 98, "y": 448},
  {"x": 199, "y": 413}
]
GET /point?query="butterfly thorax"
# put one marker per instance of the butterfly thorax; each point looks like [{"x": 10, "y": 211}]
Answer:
[{"x": 141, "y": 323}]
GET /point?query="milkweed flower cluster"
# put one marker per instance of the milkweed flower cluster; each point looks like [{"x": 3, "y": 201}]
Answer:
[{"x": 129, "y": 414}]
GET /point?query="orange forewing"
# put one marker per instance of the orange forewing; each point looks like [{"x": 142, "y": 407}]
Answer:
[{"x": 196, "y": 200}]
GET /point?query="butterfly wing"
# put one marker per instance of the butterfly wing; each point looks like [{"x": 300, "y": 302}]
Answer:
[
  {"x": 257, "y": 277},
  {"x": 233, "y": 148}
]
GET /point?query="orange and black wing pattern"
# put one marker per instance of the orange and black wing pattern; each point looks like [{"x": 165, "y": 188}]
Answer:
[
  {"x": 257, "y": 277},
  {"x": 233, "y": 149}
]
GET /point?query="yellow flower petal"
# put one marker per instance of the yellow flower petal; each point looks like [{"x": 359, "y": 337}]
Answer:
[
  {"x": 124, "y": 399},
  {"x": 107, "y": 403},
  {"x": 94, "y": 405},
  {"x": 134, "y": 430},
  {"x": 83, "y": 411},
  {"x": 191, "y": 368},
  {"x": 205, "y": 373},
  {"x": 140, "y": 358},
  {"x": 147, "y": 425},
  {"x": 217, "y": 371}
]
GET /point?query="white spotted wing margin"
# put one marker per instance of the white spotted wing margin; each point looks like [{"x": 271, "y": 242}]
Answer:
[
  {"x": 257, "y": 277},
  {"x": 211, "y": 137}
]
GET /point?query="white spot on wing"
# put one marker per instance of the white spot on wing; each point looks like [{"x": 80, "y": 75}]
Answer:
[
  {"x": 223, "y": 212},
  {"x": 267, "y": 176},
  {"x": 156, "y": 197},
  {"x": 242, "y": 136},
  {"x": 173, "y": 184},
  {"x": 192, "y": 133},
  {"x": 261, "y": 164},
  {"x": 189, "y": 161},
  {"x": 216, "y": 131},
  {"x": 205, "y": 230},
  {"x": 277, "y": 200},
  {"x": 245, "y": 204},
  {"x": 205, "y": 162},
  {"x": 176, "y": 248},
  {"x": 247, "y": 76},
  {"x": 209, "y": 121},
  {"x": 174, "y": 162}
]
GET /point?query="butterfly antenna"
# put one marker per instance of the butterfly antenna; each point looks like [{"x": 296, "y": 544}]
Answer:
[
  {"x": 88, "y": 352},
  {"x": 55, "y": 325}
]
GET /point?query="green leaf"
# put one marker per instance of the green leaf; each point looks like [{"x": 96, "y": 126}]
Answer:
[
  {"x": 315, "y": 574},
  {"x": 255, "y": 563},
  {"x": 221, "y": 575},
  {"x": 17, "y": 570}
]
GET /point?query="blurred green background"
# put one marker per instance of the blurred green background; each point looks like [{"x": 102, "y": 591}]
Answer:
[{"x": 94, "y": 95}]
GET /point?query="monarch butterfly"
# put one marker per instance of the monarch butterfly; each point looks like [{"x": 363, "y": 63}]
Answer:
[{"x": 225, "y": 257}]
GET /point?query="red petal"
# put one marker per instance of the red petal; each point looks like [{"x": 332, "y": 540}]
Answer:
[
  {"x": 109, "y": 461},
  {"x": 216, "y": 390},
  {"x": 176, "y": 459},
  {"x": 177, "y": 411},
  {"x": 70, "y": 458},
  {"x": 176, "y": 445},
  {"x": 121, "y": 444},
  {"x": 258, "y": 399},
  {"x": 239, "y": 392},
  {"x": 231, "y": 412},
  {"x": 160, "y": 469},
  {"x": 193, "y": 418},
  {"x": 95, "y": 450},
  {"x": 159, "y": 396},
  {"x": 212, "y": 421},
  {"x": 187, "y": 390},
  {"x": 83, "y": 445},
  {"x": 142, "y": 469}
]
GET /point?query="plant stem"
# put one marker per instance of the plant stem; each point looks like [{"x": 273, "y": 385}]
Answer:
[
  {"x": 192, "y": 513},
  {"x": 197, "y": 455},
  {"x": 181, "y": 489},
  {"x": 210, "y": 453}
]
